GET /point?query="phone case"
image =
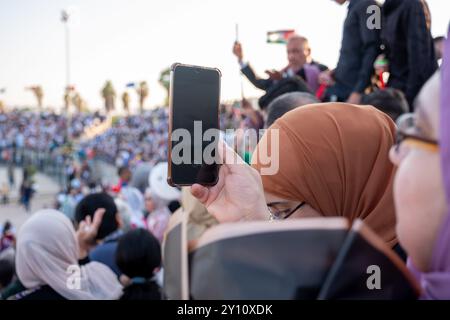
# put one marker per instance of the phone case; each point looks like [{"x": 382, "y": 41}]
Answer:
[{"x": 169, "y": 159}]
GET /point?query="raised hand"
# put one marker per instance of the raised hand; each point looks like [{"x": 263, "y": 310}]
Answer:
[
  {"x": 87, "y": 231},
  {"x": 237, "y": 51}
]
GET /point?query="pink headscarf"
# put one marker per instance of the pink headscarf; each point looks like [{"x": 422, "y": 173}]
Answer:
[{"x": 47, "y": 254}]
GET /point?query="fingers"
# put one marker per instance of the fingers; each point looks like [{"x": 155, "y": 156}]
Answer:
[
  {"x": 98, "y": 217},
  {"x": 200, "y": 192},
  {"x": 207, "y": 195},
  {"x": 81, "y": 226}
]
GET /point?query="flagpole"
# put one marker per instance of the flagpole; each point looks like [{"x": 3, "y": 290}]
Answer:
[
  {"x": 65, "y": 16},
  {"x": 240, "y": 73},
  {"x": 67, "y": 55}
]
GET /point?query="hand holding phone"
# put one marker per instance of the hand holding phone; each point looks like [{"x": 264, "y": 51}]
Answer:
[{"x": 239, "y": 193}]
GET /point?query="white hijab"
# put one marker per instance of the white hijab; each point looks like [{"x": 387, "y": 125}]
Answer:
[{"x": 47, "y": 249}]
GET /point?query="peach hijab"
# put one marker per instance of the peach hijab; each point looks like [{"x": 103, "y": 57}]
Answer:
[{"x": 334, "y": 157}]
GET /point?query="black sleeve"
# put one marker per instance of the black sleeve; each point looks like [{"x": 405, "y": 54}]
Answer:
[
  {"x": 370, "y": 40},
  {"x": 419, "y": 49},
  {"x": 322, "y": 67},
  {"x": 84, "y": 261},
  {"x": 263, "y": 84}
]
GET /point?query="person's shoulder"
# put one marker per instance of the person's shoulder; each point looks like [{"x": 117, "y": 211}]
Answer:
[
  {"x": 103, "y": 248},
  {"x": 107, "y": 246},
  {"x": 362, "y": 5},
  {"x": 321, "y": 66}
]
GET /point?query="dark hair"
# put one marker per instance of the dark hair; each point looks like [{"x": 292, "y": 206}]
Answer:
[
  {"x": 391, "y": 101},
  {"x": 7, "y": 271},
  {"x": 138, "y": 254},
  {"x": 89, "y": 204},
  {"x": 174, "y": 206},
  {"x": 6, "y": 227},
  {"x": 145, "y": 291},
  {"x": 122, "y": 170},
  {"x": 287, "y": 102},
  {"x": 286, "y": 85},
  {"x": 92, "y": 185}
]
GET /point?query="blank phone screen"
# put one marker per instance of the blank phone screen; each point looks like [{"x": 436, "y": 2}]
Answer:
[{"x": 195, "y": 95}]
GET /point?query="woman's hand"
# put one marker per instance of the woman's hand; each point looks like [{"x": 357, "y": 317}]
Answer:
[
  {"x": 87, "y": 231},
  {"x": 239, "y": 193}
]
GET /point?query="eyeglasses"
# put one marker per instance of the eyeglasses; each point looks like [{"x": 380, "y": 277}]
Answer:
[
  {"x": 407, "y": 132},
  {"x": 283, "y": 213}
]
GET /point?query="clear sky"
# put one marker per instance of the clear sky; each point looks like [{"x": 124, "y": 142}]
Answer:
[{"x": 133, "y": 40}]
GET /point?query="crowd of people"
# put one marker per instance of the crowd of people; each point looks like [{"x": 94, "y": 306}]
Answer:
[
  {"x": 24, "y": 129},
  {"x": 348, "y": 147},
  {"x": 39, "y": 141}
]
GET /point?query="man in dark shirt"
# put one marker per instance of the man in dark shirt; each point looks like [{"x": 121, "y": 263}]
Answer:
[
  {"x": 300, "y": 61},
  {"x": 360, "y": 47},
  {"x": 409, "y": 45}
]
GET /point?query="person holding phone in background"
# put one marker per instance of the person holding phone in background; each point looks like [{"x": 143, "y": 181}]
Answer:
[{"x": 300, "y": 63}]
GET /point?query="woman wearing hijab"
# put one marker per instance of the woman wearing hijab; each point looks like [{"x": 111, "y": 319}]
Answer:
[
  {"x": 47, "y": 256},
  {"x": 158, "y": 218},
  {"x": 135, "y": 200},
  {"x": 422, "y": 184},
  {"x": 333, "y": 161},
  {"x": 158, "y": 198}
]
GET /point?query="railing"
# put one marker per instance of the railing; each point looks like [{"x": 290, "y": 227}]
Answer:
[{"x": 51, "y": 163}]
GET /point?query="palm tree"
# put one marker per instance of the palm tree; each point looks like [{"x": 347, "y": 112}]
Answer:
[
  {"x": 164, "y": 81},
  {"x": 126, "y": 102},
  {"x": 67, "y": 100},
  {"x": 78, "y": 102},
  {"x": 109, "y": 94},
  {"x": 142, "y": 91},
  {"x": 38, "y": 93}
]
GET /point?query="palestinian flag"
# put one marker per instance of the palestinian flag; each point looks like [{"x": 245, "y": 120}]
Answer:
[{"x": 280, "y": 36}]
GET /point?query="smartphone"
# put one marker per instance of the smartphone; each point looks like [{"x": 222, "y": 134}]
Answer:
[{"x": 193, "y": 125}]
